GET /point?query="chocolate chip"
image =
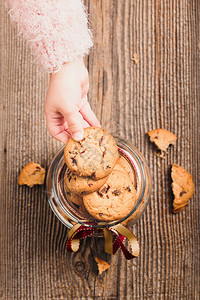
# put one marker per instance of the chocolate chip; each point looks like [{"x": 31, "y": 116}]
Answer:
[
  {"x": 107, "y": 196},
  {"x": 182, "y": 193},
  {"x": 105, "y": 189},
  {"x": 156, "y": 137},
  {"x": 101, "y": 140},
  {"x": 99, "y": 193},
  {"x": 108, "y": 187},
  {"x": 90, "y": 184},
  {"x": 83, "y": 193},
  {"x": 38, "y": 168},
  {"x": 128, "y": 188},
  {"x": 93, "y": 175},
  {"x": 116, "y": 192},
  {"x": 74, "y": 161},
  {"x": 108, "y": 167},
  {"x": 82, "y": 152}
]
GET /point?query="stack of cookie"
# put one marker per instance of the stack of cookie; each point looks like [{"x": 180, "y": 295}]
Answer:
[{"x": 96, "y": 179}]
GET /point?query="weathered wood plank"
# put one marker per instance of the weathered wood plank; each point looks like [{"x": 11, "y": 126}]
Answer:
[{"x": 162, "y": 90}]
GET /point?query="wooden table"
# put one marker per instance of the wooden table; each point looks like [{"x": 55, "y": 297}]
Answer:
[{"x": 161, "y": 91}]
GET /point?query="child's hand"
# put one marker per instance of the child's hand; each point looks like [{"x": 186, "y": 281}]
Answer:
[{"x": 66, "y": 108}]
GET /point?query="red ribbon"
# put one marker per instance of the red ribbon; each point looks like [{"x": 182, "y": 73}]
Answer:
[{"x": 80, "y": 232}]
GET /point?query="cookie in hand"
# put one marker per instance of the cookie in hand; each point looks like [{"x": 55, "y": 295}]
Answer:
[{"x": 95, "y": 155}]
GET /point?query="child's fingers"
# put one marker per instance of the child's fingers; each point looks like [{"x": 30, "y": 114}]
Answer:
[
  {"x": 75, "y": 127},
  {"x": 62, "y": 136},
  {"x": 61, "y": 133},
  {"x": 85, "y": 124},
  {"x": 58, "y": 130},
  {"x": 89, "y": 115}
]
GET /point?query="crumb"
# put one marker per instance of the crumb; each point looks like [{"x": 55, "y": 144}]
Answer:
[
  {"x": 161, "y": 155},
  {"x": 102, "y": 265},
  {"x": 29, "y": 204},
  {"x": 36, "y": 123},
  {"x": 158, "y": 163},
  {"x": 135, "y": 58},
  {"x": 162, "y": 138},
  {"x": 182, "y": 186},
  {"x": 31, "y": 175}
]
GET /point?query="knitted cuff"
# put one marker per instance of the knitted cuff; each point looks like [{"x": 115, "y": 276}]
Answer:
[{"x": 57, "y": 30}]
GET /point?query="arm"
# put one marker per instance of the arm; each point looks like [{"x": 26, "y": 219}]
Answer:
[{"x": 58, "y": 32}]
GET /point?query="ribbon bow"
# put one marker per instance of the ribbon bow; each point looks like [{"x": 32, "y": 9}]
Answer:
[{"x": 78, "y": 232}]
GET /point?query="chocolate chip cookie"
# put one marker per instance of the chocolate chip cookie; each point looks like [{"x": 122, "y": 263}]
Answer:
[
  {"x": 95, "y": 156},
  {"x": 127, "y": 167},
  {"x": 119, "y": 168},
  {"x": 162, "y": 138},
  {"x": 76, "y": 199},
  {"x": 114, "y": 200},
  {"x": 31, "y": 175},
  {"x": 182, "y": 186},
  {"x": 82, "y": 185}
]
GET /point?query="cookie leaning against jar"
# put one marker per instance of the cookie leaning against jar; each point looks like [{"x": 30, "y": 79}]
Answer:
[
  {"x": 82, "y": 185},
  {"x": 75, "y": 198},
  {"x": 95, "y": 155},
  {"x": 114, "y": 200}
]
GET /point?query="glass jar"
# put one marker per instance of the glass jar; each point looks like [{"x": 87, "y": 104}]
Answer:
[{"x": 69, "y": 214}]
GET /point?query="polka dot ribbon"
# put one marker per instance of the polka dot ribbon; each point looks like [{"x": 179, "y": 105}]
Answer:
[{"x": 114, "y": 239}]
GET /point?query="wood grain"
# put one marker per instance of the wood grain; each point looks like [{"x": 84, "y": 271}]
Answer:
[{"x": 162, "y": 90}]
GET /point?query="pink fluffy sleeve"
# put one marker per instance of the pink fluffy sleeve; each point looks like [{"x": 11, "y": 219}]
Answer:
[{"x": 57, "y": 30}]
